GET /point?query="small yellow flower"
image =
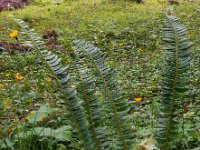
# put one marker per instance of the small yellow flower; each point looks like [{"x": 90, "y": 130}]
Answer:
[
  {"x": 42, "y": 117},
  {"x": 49, "y": 80},
  {"x": 32, "y": 112},
  {"x": 140, "y": 50},
  {"x": 138, "y": 99},
  {"x": 14, "y": 34},
  {"x": 1, "y": 86},
  {"x": 18, "y": 77}
]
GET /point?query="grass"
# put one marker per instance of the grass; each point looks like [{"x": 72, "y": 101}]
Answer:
[{"x": 126, "y": 31}]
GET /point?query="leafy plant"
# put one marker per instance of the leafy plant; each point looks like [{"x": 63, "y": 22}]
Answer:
[
  {"x": 40, "y": 114},
  {"x": 29, "y": 136},
  {"x": 175, "y": 81},
  {"x": 61, "y": 134},
  {"x": 95, "y": 117}
]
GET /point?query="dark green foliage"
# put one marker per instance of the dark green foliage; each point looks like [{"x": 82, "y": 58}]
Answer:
[
  {"x": 113, "y": 103},
  {"x": 175, "y": 81}
]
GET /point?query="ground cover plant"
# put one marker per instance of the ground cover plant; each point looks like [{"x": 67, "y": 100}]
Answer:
[{"x": 131, "y": 82}]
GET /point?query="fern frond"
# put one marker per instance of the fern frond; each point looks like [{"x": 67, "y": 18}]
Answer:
[
  {"x": 100, "y": 121},
  {"x": 175, "y": 80},
  {"x": 74, "y": 101},
  {"x": 95, "y": 113},
  {"x": 113, "y": 103}
]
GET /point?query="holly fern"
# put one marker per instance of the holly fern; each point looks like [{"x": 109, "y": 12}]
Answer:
[{"x": 174, "y": 81}]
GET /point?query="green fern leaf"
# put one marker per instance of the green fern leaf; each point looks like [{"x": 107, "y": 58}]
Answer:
[{"x": 175, "y": 81}]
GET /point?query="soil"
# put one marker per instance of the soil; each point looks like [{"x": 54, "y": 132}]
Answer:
[
  {"x": 12, "y": 4},
  {"x": 11, "y": 47}
]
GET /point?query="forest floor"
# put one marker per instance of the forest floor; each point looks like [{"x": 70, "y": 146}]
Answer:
[{"x": 127, "y": 32}]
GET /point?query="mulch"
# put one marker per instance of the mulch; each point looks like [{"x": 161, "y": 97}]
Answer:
[{"x": 12, "y": 4}]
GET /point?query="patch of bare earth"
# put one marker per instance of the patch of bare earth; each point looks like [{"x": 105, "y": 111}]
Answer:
[{"x": 12, "y": 4}]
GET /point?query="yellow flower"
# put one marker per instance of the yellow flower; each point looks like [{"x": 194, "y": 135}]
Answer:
[
  {"x": 42, "y": 117},
  {"x": 14, "y": 34},
  {"x": 18, "y": 77},
  {"x": 140, "y": 50},
  {"x": 1, "y": 86},
  {"x": 32, "y": 112},
  {"x": 49, "y": 80},
  {"x": 138, "y": 99}
]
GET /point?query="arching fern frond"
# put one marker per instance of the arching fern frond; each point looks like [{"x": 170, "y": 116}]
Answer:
[
  {"x": 102, "y": 121},
  {"x": 73, "y": 100},
  {"x": 114, "y": 104},
  {"x": 175, "y": 81}
]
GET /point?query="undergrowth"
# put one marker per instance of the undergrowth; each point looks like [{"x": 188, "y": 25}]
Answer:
[{"x": 129, "y": 39}]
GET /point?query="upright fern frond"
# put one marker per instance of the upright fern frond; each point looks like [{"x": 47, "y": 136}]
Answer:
[
  {"x": 175, "y": 80},
  {"x": 87, "y": 90},
  {"x": 113, "y": 102}
]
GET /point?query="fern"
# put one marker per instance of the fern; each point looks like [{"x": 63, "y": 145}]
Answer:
[
  {"x": 74, "y": 102},
  {"x": 100, "y": 121},
  {"x": 113, "y": 101},
  {"x": 86, "y": 88},
  {"x": 175, "y": 80}
]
